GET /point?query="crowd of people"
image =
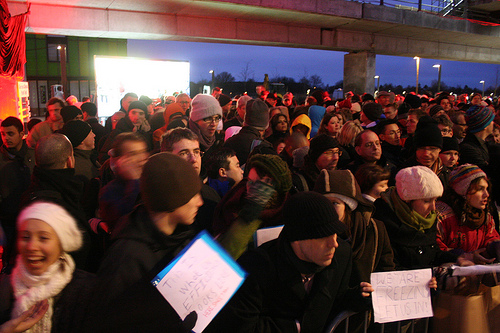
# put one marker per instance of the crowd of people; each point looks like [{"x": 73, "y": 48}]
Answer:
[{"x": 90, "y": 214}]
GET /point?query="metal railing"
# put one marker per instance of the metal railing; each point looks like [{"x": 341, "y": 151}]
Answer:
[
  {"x": 342, "y": 321},
  {"x": 455, "y": 8}
]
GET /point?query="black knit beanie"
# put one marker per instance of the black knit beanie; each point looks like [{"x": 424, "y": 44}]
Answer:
[
  {"x": 319, "y": 144},
  {"x": 139, "y": 105},
  {"x": 450, "y": 144},
  {"x": 168, "y": 182},
  {"x": 427, "y": 134},
  {"x": 310, "y": 215},
  {"x": 413, "y": 100},
  {"x": 435, "y": 109},
  {"x": 224, "y": 100},
  {"x": 70, "y": 112},
  {"x": 76, "y": 131},
  {"x": 372, "y": 111}
]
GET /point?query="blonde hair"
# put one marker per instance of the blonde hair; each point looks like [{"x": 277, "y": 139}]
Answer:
[{"x": 348, "y": 133}]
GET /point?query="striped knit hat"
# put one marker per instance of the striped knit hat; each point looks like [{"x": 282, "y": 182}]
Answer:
[
  {"x": 462, "y": 176},
  {"x": 478, "y": 118}
]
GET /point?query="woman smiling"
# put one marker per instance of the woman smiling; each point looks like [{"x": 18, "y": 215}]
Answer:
[{"x": 45, "y": 271}]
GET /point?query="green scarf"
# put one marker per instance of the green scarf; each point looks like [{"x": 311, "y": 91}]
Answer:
[{"x": 409, "y": 216}]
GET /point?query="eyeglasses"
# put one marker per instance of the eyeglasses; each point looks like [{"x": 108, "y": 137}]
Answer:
[
  {"x": 331, "y": 153},
  {"x": 214, "y": 119},
  {"x": 195, "y": 153},
  {"x": 372, "y": 144}
]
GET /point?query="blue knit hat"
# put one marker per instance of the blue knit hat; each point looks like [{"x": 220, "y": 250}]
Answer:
[{"x": 478, "y": 118}]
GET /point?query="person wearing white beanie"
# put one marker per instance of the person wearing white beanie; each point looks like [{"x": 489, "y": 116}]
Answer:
[
  {"x": 44, "y": 270},
  {"x": 409, "y": 213},
  {"x": 204, "y": 119}
]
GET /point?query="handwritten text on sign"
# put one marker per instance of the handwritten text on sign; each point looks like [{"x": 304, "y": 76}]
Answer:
[
  {"x": 203, "y": 279},
  {"x": 401, "y": 295}
]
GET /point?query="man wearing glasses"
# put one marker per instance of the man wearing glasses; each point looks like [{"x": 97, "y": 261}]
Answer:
[
  {"x": 369, "y": 151},
  {"x": 184, "y": 100},
  {"x": 206, "y": 114}
]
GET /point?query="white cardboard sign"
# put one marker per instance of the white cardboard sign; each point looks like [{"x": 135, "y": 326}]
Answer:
[
  {"x": 401, "y": 295},
  {"x": 202, "y": 278}
]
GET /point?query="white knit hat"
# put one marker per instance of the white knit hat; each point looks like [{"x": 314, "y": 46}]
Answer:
[
  {"x": 418, "y": 182},
  {"x": 203, "y": 106},
  {"x": 59, "y": 219}
]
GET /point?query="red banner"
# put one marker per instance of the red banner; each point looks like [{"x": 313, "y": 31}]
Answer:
[{"x": 12, "y": 42}]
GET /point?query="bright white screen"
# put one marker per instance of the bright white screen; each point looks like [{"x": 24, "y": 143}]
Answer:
[{"x": 116, "y": 76}]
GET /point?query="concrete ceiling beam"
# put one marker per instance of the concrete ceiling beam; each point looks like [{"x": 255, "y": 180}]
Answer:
[{"x": 379, "y": 37}]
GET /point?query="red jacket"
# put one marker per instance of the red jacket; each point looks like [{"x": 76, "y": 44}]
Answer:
[{"x": 451, "y": 235}]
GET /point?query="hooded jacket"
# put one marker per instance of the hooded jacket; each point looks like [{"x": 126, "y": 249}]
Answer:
[{"x": 371, "y": 247}]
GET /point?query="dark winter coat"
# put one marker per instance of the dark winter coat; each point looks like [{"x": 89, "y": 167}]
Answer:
[
  {"x": 413, "y": 249},
  {"x": 124, "y": 299},
  {"x": 242, "y": 142},
  {"x": 473, "y": 151},
  {"x": 273, "y": 296}
]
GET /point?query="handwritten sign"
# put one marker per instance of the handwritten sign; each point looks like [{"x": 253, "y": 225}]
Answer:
[
  {"x": 202, "y": 278},
  {"x": 401, "y": 295},
  {"x": 265, "y": 235}
]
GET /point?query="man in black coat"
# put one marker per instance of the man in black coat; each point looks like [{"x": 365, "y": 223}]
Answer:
[
  {"x": 124, "y": 299},
  {"x": 299, "y": 281},
  {"x": 54, "y": 180}
]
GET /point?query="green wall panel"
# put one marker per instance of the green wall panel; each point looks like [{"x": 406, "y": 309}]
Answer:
[
  {"x": 83, "y": 58},
  {"x": 73, "y": 65}
]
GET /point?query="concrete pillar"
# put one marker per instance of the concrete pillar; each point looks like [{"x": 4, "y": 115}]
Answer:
[{"x": 359, "y": 70}]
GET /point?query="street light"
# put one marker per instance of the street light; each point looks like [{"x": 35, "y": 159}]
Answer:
[
  {"x": 213, "y": 78},
  {"x": 482, "y": 81},
  {"x": 378, "y": 82},
  {"x": 418, "y": 71},
  {"x": 439, "y": 76}
]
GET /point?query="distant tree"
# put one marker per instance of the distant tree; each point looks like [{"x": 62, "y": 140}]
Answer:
[
  {"x": 224, "y": 77},
  {"x": 338, "y": 84},
  {"x": 275, "y": 73},
  {"x": 316, "y": 81},
  {"x": 434, "y": 86},
  {"x": 203, "y": 82},
  {"x": 305, "y": 81},
  {"x": 247, "y": 73},
  {"x": 283, "y": 79}
]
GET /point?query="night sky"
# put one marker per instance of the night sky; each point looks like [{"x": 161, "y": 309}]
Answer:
[{"x": 294, "y": 62}]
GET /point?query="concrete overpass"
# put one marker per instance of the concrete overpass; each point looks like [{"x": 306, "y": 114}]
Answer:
[{"x": 361, "y": 29}]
